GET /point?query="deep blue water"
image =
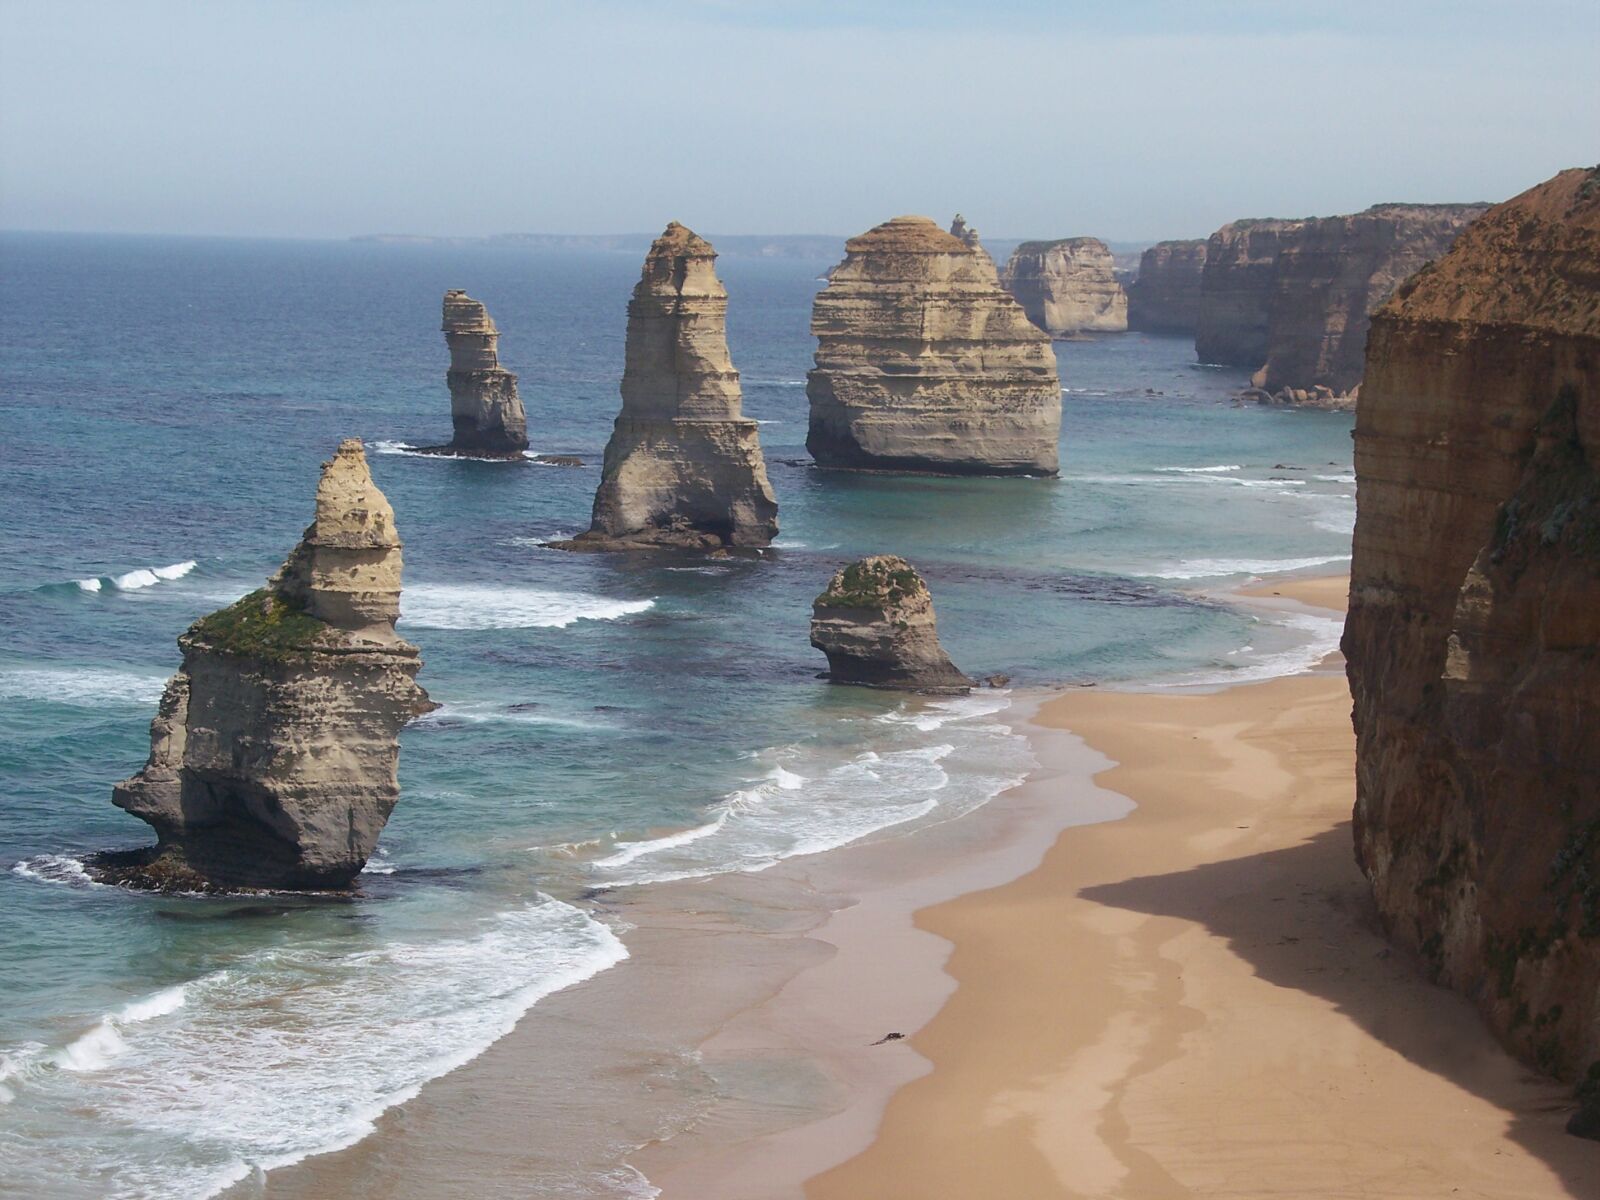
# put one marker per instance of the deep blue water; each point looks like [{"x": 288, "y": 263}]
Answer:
[{"x": 606, "y": 721}]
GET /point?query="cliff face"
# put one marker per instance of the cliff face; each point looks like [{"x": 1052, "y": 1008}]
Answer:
[
  {"x": 683, "y": 467},
  {"x": 1165, "y": 298},
  {"x": 1473, "y": 639},
  {"x": 1236, "y": 286},
  {"x": 484, "y": 406},
  {"x": 273, "y": 754},
  {"x": 924, "y": 363},
  {"x": 1068, "y": 286},
  {"x": 875, "y": 623},
  {"x": 1332, "y": 274}
]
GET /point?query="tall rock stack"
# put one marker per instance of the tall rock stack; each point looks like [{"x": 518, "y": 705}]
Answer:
[
  {"x": 925, "y": 363},
  {"x": 1236, "y": 287},
  {"x": 1165, "y": 298},
  {"x": 1068, "y": 286},
  {"x": 273, "y": 754},
  {"x": 485, "y": 410},
  {"x": 683, "y": 468},
  {"x": 1473, "y": 641},
  {"x": 1333, "y": 274}
]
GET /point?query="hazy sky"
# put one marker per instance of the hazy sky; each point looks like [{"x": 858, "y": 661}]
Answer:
[{"x": 1128, "y": 120}]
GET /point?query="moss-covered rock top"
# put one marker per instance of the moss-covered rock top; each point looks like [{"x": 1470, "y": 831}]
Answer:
[
  {"x": 263, "y": 625},
  {"x": 883, "y": 581}
]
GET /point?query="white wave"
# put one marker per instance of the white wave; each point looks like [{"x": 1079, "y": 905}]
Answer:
[
  {"x": 388, "y": 447},
  {"x": 294, "y": 1052},
  {"x": 627, "y": 852},
  {"x": 1201, "y": 470},
  {"x": 83, "y": 687},
  {"x": 936, "y": 714},
  {"x": 789, "y": 544},
  {"x": 1317, "y": 637},
  {"x": 92, "y": 584},
  {"x": 1221, "y": 568},
  {"x": 1335, "y": 478},
  {"x": 169, "y": 1000},
  {"x": 145, "y": 577},
  {"x": 487, "y": 714},
  {"x": 448, "y": 606},
  {"x": 55, "y": 868},
  {"x": 1268, "y": 483}
]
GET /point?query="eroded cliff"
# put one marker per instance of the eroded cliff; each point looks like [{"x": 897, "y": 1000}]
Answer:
[
  {"x": 274, "y": 752},
  {"x": 875, "y": 623},
  {"x": 1473, "y": 640},
  {"x": 1332, "y": 274},
  {"x": 1165, "y": 298},
  {"x": 1068, "y": 286},
  {"x": 925, "y": 363},
  {"x": 1236, "y": 285},
  {"x": 683, "y": 468}
]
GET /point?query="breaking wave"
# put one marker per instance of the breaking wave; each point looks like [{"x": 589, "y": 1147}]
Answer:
[{"x": 449, "y": 606}]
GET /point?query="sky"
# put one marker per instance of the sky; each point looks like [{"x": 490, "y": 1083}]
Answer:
[{"x": 1130, "y": 121}]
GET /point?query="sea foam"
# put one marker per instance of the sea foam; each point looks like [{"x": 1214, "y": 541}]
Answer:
[{"x": 447, "y": 606}]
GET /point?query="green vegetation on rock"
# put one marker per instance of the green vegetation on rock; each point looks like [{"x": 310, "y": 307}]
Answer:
[
  {"x": 870, "y": 584},
  {"x": 262, "y": 625}
]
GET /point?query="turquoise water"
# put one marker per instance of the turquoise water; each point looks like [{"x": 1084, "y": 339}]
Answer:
[{"x": 164, "y": 405}]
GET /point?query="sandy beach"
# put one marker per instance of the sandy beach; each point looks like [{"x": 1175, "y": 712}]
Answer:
[{"x": 1194, "y": 1000}]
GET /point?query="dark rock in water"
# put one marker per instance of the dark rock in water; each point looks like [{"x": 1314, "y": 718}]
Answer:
[
  {"x": 683, "y": 469},
  {"x": 485, "y": 410},
  {"x": 996, "y": 680},
  {"x": 273, "y": 753},
  {"x": 875, "y": 623},
  {"x": 558, "y": 460},
  {"x": 1473, "y": 638}
]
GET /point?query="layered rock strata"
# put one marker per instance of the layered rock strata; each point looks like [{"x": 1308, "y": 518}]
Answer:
[
  {"x": 1068, "y": 286},
  {"x": 683, "y": 468},
  {"x": 1473, "y": 640},
  {"x": 875, "y": 623},
  {"x": 1236, "y": 286},
  {"x": 273, "y": 753},
  {"x": 925, "y": 363},
  {"x": 485, "y": 410},
  {"x": 1332, "y": 274},
  {"x": 1165, "y": 298}
]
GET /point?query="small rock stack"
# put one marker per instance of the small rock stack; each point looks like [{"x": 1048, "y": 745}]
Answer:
[
  {"x": 875, "y": 623},
  {"x": 485, "y": 410},
  {"x": 1068, "y": 286}
]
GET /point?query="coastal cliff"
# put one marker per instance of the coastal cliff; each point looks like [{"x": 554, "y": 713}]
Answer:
[
  {"x": 683, "y": 468},
  {"x": 485, "y": 410},
  {"x": 1068, "y": 286},
  {"x": 274, "y": 751},
  {"x": 1332, "y": 274},
  {"x": 1236, "y": 286},
  {"x": 1165, "y": 298},
  {"x": 1473, "y": 640},
  {"x": 925, "y": 363},
  {"x": 875, "y": 623}
]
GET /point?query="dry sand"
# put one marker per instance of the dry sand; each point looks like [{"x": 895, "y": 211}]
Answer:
[{"x": 1193, "y": 1001}]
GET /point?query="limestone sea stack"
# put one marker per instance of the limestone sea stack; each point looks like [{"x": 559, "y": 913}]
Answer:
[
  {"x": 1236, "y": 285},
  {"x": 1473, "y": 640},
  {"x": 925, "y": 363},
  {"x": 1068, "y": 286},
  {"x": 1329, "y": 278},
  {"x": 683, "y": 468},
  {"x": 1165, "y": 298},
  {"x": 485, "y": 410},
  {"x": 875, "y": 623},
  {"x": 273, "y": 753}
]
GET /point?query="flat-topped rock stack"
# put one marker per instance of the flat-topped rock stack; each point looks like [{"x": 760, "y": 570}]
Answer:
[
  {"x": 925, "y": 363},
  {"x": 1068, "y": 286},
  {"x": 1473, "y": 640},
  {"x": 875, "y": 623},
  {"x": 485, "y": 410},
  {"x": 683, "y": 468},
  {"x": 274, "y": 751},
  {"x": 1165, "y": 298}
]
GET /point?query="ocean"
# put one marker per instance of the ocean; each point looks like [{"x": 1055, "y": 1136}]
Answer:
[{"x": 607, "y": 722}]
